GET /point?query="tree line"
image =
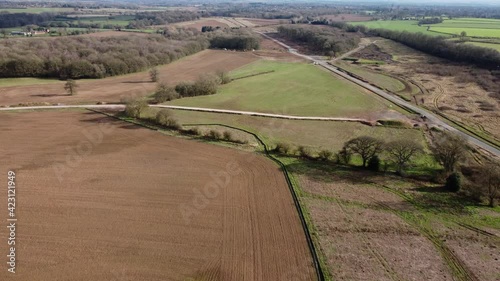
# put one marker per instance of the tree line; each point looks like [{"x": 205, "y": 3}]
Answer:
[
  {"x": 91, "y": 57},
  {"x": 448, "y": 149},
  {"x": 328, "y": 41},
  {"x": 235, "y": 42},
  {"x": 21, "y": 19},
  {"x": 165, "y": 17},
  {"x": 434, "y": 45}
]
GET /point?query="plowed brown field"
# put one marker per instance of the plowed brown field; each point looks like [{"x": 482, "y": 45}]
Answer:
[
  {"x": 138, "y": 205},
  {"x": 113, "y": 89}
]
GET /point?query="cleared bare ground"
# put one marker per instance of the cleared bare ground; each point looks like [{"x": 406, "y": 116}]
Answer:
[
  {"x": 360, "y": 239},
  {"x": 447, "y": 88},
  {"x": 114, "y": 89},
  {"x": 116, "y": 213}
]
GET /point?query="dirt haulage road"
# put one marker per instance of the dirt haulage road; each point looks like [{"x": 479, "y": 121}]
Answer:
[
  {"x": 430, "y": 117},
  {"x": 102, "y": 199}
]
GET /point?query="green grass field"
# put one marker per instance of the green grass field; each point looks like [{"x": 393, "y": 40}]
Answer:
[
  {"x": 475, "y": 27},
  {"x": 294, "y": 89},
  {"x": 8, "y": 82},
  {"x": 314, "y": 134},
  {"x": 485, "y": 45},
  {"x": 36, "y": 10},
  {"x": 399, "y": 25},
  {"x": 473, "y": 32}
]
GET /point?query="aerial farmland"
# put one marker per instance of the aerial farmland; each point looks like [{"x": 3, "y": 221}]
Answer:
[{"x": 220, "y": 141}]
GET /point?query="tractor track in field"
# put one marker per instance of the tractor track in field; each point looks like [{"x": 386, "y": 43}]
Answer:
[{"x": 457, "y": 266}]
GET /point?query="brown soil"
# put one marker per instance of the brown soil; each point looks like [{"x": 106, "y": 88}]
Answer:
[
  {"x": 114, "y": 89},
  {"x": 361, "y": 239},
  {"x": 120, "y": 211},
  {"x": 373, "y": 52}
]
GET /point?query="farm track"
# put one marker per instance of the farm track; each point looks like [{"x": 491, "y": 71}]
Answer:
[
  {"x": 201, "y": 109},
  {"x": 477, "y": 230}
]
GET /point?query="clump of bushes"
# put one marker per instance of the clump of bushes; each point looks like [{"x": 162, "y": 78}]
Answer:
[
  {"x": 135, "y": 108},
  {"x": 325, "y": 155},
  {"x": 453, "y": 182},
  {"x": 204, "y": 85},
  {"x": 283, "y": 148},
  {"x": 164, "y": 93},
  {"x": 374, "y": 164},
  {"x": 164, "y": 118},
  {"x": 213, "y": 134},
  {"x": 305, "y": 152},
  {"x": 195, "y": 131}
]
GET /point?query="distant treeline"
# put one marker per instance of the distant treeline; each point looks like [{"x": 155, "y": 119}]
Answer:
[
  {"x": 235, "y": 42},
  {"x": 430, "y": 21},
  {"x": 434, "y": 45},
  {"x": 161, "y": 18},
  {"x": 328, "y": 41},
  {"x": 21, "y": 19},
  {"x": 90, "y": 57},
  {"x": 141, "y": 20}
]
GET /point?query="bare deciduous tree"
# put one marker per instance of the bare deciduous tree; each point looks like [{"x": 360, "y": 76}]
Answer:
[
  {"x": 401, "y": 153},
  {"x": 365, "y": 146},
  {"x": 489, "y": 179},
  {"x": 449, "y": 149},
  {"x": 153, "y": 74},
  {"x": 70, "y": 87}
]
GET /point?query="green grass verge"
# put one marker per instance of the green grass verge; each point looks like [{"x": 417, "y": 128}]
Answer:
[
  {"x": 294, "y": 89},
  {"x": 8, "y": 82},
  {"x": 316, "y": 135}
]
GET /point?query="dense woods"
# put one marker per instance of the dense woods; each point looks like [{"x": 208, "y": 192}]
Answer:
[
  {"x": 90, "y": 57},
  {"x": 21, "y": 19},
  {"x": 235, "y": 42},
  {"x": 328, "y": 41},
  {"x": 161, "y": 18},
  {"x": 430, "y": 21}
]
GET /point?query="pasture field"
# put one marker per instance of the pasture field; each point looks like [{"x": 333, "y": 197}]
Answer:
[
  {"x": 390, "y": 228},
  {"x": 114, "y": 89},
  {"x": 473, "y": 32},
  {"x": 486, "y": 45},
  {"x": 398, "y": 25},
  {"x": 293, "y": 89},
  {"x": 316, "y": 135},
  {"x": 128, "y": 208}
]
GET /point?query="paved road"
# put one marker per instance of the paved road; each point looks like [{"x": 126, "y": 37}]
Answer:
[
  {"x": 250, "y": 113},
  {"x": 430, "y": 117}
]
